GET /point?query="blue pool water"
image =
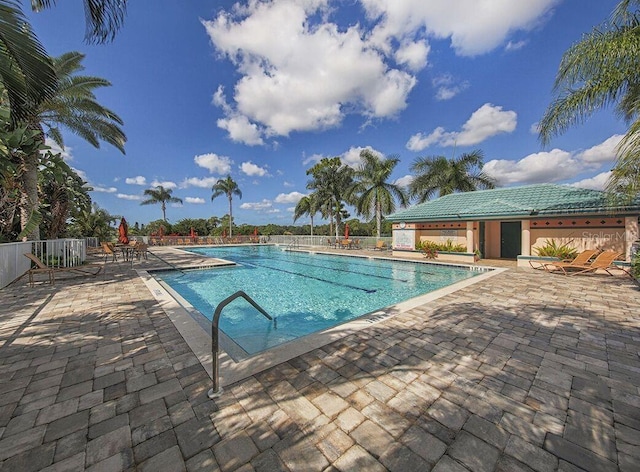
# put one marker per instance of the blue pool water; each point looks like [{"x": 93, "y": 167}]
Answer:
[{"x": 305, "y": 292}]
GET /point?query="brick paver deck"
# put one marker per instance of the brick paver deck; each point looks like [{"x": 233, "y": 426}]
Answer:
[{"x": 524, "y": 371}]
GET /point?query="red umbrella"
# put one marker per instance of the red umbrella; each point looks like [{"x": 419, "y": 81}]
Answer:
[
  {"x": 346, "y": 231},
  {"x": 255, "y": 231},
  {"x": 123, "y": 229},
  {"x": 161, "y": 231},
  {"x": 224, "y": 233},
  {"x": 193, "y": 233}
]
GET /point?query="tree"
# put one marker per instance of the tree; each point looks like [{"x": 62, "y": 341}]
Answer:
[
  {"x": 229, "y": 188},
  {"x": 104, "y": 17},
  {"x": 444, "y": 176},
  {"x": 160, "y": 195},
  {"x": 307, "y": 205},
  {"x": 331, "y": 180},
  {"x": 373, "y": 193},
  {"x": 74, "y": 107},
  {"x": 95, "y": 222},
  {"x": 600, "y": 70}
]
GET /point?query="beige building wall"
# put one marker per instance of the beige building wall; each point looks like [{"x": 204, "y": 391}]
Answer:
[{"x": 492, "y": 240}]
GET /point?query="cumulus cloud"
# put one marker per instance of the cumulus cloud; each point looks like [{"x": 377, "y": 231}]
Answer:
[
  {"x": 556, "y": 166},
  {"x": 473, "y": 26},
  {"x": 404, "y": 181},
  {"x": 205, "y": 182},
  {"x": 312, "y": 159},
  {"x": 101, "y": 189},
  {"x": 253, "y": 170},
  {"x": 448, "y": 87},
  {"x": 515, "y": 45},
  {"x": 82, "y": 174},
  {"x": 241, "y": 130},
  {"x": 125, "y": 196},
  {"x": 166, "y": 184},
  {"x": 604, "y": 152},
  {"x": 352, "y": 156},
  {"x": 194, "y": 200},
  {"x": 214, "y": 163},
  {"x": 487, "y": 121},
  {"x": 139, "y": 180},
  {"x": 413, "y": 54},
  {"x": 293, "y": 197},
  {"x": 257, "y": 206}
]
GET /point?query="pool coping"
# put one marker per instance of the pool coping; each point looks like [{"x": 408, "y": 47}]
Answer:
[{"x": 189, "y": 322}]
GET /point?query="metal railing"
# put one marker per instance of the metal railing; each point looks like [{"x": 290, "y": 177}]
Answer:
[{"x": 215, "y": 331}]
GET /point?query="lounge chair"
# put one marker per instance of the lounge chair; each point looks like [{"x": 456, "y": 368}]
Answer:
[
  {"x": 380, "y": 246},
  {"x": 581, "y": 259},
  {"x": 604, "y": 261},
  {"x": 41, "y": 267},
  {"x": 109, "y": 250}
]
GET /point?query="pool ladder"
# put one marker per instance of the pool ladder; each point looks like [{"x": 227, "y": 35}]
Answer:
[{"x": 216, "y": 391}]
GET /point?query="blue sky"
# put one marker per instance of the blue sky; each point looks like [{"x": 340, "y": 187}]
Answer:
[{"x": 261, "y": 90}]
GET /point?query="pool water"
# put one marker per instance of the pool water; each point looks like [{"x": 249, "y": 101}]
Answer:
[{"x": 304, "y": 292}]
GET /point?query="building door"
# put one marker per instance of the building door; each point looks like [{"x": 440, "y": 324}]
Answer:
[
  {"x": 481, "y": 230},
  {"x": 510, "y": 239}
]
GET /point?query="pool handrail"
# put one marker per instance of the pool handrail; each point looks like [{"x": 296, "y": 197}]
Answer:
[{"x": 216, "y": 391}]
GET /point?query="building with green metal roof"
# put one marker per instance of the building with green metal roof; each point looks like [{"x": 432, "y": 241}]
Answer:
[{"x": 516, "y": 221}]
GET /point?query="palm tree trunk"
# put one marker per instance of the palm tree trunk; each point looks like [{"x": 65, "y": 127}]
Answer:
[
  {"x": 378, "y": 218},
  {"x": 164, "y": 211},
  {"x": 230, "y": 219},
  {"x": 29, "y": 194},
  {"x": 311, "y": 216}
]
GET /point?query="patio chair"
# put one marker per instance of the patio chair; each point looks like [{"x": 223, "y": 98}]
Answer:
[
  {"x": 580, "y": 259},
  {"x": 109, "y": 250},
  {"x": 604, "y": 261},
  {"x": 380, "y": 246},
  {"x": 41, "y": 267}
]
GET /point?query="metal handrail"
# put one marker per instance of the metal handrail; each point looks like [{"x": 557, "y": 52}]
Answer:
[{"x": 215, "y": 346}]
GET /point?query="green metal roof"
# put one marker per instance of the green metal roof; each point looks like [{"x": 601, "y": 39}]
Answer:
[{"x": 514, "y": 202}]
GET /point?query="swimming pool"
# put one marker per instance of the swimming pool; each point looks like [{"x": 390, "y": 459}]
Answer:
[{"x": 304, "y": 292}]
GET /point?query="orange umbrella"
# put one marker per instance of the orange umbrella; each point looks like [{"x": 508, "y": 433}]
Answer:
[
  {"x": 123, "y": 229},
  {"x": 193, "y": 233},
  {"x": 161, "y": 231},
  {"x": 255, "y": 231},
  {"x": 346, "y": 231},
  {"x": 224, "y": 233}
]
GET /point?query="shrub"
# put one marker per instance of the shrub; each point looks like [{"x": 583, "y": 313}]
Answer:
[
  {"x": 430, "y": 249},
  {"x": 553, "y": 249},
  {"x": 635, "y": 266}
]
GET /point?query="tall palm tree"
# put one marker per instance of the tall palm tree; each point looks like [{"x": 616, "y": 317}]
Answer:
[
  {"x": 307, "y": 205},
  {"x": 443, "y": 176},
  {"x": 603, "y": 69},
  {"x": 26, "y": 72},
  {"x": 74, "y": 107},
  {"x": 160, "y": 195},
  {"x": 227, "y": 187},
  {"x": 104, "y": 18},
  {"x": 330, "y": 180},
  {"x": 373, "y": 193}
]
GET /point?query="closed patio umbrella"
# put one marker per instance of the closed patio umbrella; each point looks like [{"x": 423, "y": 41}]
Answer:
[
  {"x": 123, "y": 231},
  {"x": 346, "y": 231}
]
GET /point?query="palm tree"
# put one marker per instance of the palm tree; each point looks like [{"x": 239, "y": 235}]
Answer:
[
  {"x": 74, "y": 107},
  {"x": 307, "y": 205},
  {"x": 227, "y": 187},
  {"x": 104, "y": 17},
  {"x": 160, "y": 195},
  {"x": 600, "y": 70},
  {"x": 26, "y": 72},
  {"x": 331, "y": 180},
  {"x": 444, "y": 176},
  {"x": 374, "y": 195}
]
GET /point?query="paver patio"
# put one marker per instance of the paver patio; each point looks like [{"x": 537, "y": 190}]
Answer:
[{"x": 524, "y": 371}]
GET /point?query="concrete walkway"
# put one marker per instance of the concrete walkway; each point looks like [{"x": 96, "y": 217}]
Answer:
[{"x": 525, "y": 371}]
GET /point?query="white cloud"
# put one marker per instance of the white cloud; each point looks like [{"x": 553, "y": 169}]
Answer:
[
  {"x": 474, "y": 26},
  {"x": 553, "y": 166},
  {"x": 194, "y": 200},
  {"x": 82, "y": 174},
  {"x": 597, "y": 182},
  {"x": 447, "y": 87},
  {"x": 176, "y": 205},
  {"x": 603, "y": 152},
  {"x": 313, "y": 159},
  {"x": 214, "y": 163},
  {"x": 288, "y": 184},
  {"x": 252, "y": 169},
  {"x": 404, "y": 181},
  {"x": 293, "y": 197},
  {"x": 166, "y": 184},
  {"x": 352, "y": 156},
  {"x": 205, "y": 182},
  {"x": 307, "y": 73},
  {"x": 257, "y": 206},
  {"x": 65, "y": 152},
  {"x": 487, "y": 121},
  {"x": 125, "y": 196},
  {"x": 139, "y": 180},
  {"x": 101, "y": 189},
  {"x": 515, "y": 45},
  {"x": 535, "y": 128}
]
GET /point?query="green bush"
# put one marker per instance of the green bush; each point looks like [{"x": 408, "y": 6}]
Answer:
[
  {"x": 553, "y": 249},
  {"x": 430, "y": 249},
  {"x": 635, "y": 266}
]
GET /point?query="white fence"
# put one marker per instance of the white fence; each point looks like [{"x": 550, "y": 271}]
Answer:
[
  {"x": 54, "y": 253},
  {"x": 366, "y": 242}
]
